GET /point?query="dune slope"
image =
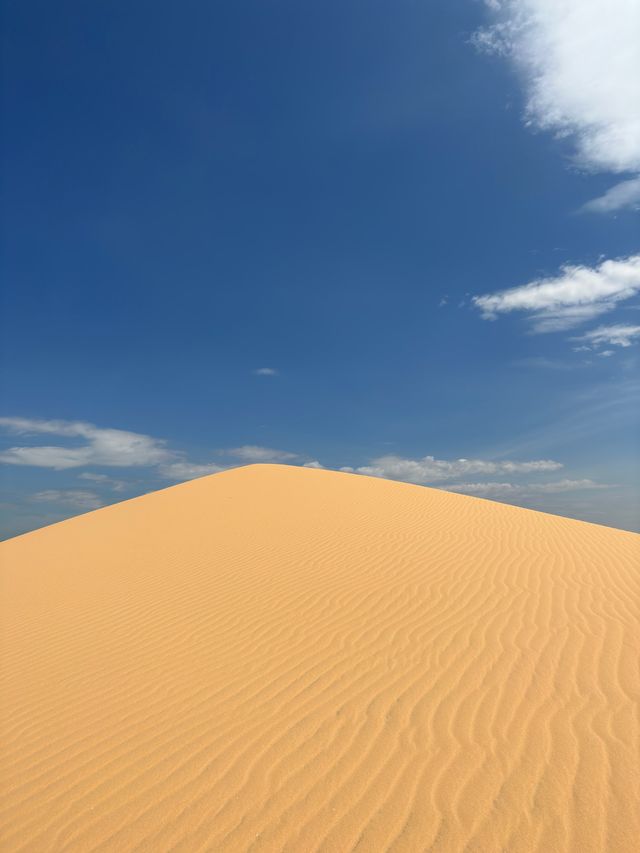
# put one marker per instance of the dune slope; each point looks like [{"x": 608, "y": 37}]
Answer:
[{"x": 276, "y": 658}]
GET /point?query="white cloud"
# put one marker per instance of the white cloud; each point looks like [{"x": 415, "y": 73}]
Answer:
[
  {"x": 619, "y": 335},
  {"x": 180, "y": 471},
  {"x": 580, "y": 63},
  {"x": 74, "y": 498},
  {"x": 622, "y": 196},
  {"x": 524, "y": 490},
  {"x": 104, "y": 480},
  {"x": 127, "y": 449},
  {"x": 118, "y": 448},
  {"x": 567, "y": 486},
  {"x": 576, "y": 295},
  {"x": 493, "y": 39},
  {"x": 265, "y": 371},
  {"x": 108, "y": 447},
  {"x": 430, "y": 470},
  {"x": 443, "y": 474},
  {"x": 254, "y": 453},
  {"x": 104, "y": 447}
]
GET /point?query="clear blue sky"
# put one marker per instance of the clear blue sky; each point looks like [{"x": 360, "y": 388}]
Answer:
[{"x": 196, "y": 191}]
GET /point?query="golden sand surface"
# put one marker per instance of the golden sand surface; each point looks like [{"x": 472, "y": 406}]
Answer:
[{"x": 284, "y": 659}]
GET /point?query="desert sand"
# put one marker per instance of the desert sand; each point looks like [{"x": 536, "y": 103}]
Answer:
[{"x": 283, "y": 659}]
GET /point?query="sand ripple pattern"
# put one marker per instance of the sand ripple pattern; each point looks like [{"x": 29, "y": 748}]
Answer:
[{"x": 285, "y": 659}]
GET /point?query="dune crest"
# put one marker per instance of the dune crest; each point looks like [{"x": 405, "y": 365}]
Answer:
[{"x": 283, "y": 659}]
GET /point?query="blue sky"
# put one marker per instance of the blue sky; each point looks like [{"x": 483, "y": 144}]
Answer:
[{"x": 398, "y": 238}]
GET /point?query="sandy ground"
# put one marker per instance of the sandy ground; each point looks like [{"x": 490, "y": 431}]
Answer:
[{"x": 283, "y": 659}]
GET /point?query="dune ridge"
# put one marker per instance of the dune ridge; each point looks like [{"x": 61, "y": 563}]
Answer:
[{"x": 284, "y": 659}]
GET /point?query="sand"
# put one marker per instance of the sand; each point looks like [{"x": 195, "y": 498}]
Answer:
[{"x": 283, "y": 659}]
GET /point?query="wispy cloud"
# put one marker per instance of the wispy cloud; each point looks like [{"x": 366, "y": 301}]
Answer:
[
  {"x": 125, "y": 449},
  {"x": 622, "y": 196},
  {"x": 429, "y": 470},
  {"x": 108, "y": 447},
  {"x": 72, "y": 498},
  {"x": 583, "y": 414},
  {"x": 619, "y": 335},
  {"x": 100, "y": 447},
  {"x": 179, "y": 471},
  {"x": 254, "y": 453},
  {"x": 265, "y": 371},
  {"x": 104, "y": 480},
  {"x": 577, "y": 294},
  {"x": 542, "y": 362},
  {"x": 580, "y": 64},
  {"x": 451, "y": 475},
  {"x": 518, "y": 491},
  {"x": 119, "y": 448}
]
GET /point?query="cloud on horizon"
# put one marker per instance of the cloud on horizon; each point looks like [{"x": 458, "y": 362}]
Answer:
[
  {"x": 253, "y": 453},
  {"x": 120, "y": 448},
  {"x": 79, "y": 499},
  {"x": 428, "y": 470},
  {"x": 102, "y": 447},
  {"x": 106, "y": 447},
  {"x": 104, "y": 480},
  {"x": 518, "y": 491},
  {"x": 594, "y": 103},
  {"x": 180, "y": 471}
]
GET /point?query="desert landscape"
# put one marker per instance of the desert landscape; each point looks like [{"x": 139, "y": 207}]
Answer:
[{"x": 275, "y": 658}]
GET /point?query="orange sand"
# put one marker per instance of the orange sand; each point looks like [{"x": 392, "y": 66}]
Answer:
[{"x": 283, "y": 659}]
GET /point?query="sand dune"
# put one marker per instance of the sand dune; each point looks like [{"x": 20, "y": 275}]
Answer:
[{"x": 284, "y": 659}]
